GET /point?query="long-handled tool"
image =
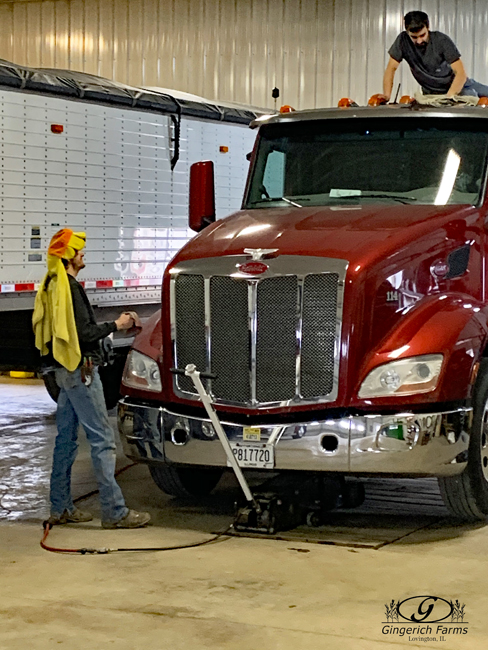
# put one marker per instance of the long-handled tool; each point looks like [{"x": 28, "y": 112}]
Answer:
[{"x": 192, "y": 372}]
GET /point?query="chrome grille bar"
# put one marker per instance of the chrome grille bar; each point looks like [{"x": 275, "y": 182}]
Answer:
[{"x": 253, "y": 329}]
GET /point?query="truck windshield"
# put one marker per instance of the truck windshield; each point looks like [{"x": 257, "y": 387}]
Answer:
[{"x": 417, "y": 160}]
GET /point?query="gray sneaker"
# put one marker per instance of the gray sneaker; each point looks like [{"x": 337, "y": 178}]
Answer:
[
  {"x": 75, "y": 517},
  {"x": 132, "y": 519}
]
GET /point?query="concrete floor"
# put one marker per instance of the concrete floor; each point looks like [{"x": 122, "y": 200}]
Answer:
[{"x": 236, "y": 593}]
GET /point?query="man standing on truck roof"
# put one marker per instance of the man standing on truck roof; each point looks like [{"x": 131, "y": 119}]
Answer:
[
  {"x": 433, "y": 58},
  {"x": 65, "y": 327}
]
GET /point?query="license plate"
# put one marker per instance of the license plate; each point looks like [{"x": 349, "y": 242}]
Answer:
[{"x": 259, "y": 456}]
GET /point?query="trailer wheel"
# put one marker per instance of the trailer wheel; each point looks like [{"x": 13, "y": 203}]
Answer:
[
  {"x": 51, "y": 385},
  {"x": 184, "y": 481},
  {"x": 466, "y": 495}
]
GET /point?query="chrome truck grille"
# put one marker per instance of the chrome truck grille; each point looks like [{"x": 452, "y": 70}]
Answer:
[{"x": 272, "y": 339}]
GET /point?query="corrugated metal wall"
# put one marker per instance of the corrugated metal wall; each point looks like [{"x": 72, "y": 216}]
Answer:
[{"x": 315, "y": 51}]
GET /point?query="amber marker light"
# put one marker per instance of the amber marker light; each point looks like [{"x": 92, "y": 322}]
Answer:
[
  {"x": 406, "y": 99},
  {"x": 223, "y": 149},
  {"x": 474, "y": 373},
  {"x": 377, "y": 100},
  {"x": 57, "y": 128},
  {"x": 346, "y": 102},
  {"x": 483, "y": 101},
  {"x": 287, "y": 109}
]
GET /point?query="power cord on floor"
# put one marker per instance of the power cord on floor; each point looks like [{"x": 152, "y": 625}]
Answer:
[{"x": 104, "y": 551}]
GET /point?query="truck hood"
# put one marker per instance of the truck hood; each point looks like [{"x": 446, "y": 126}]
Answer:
[{"x": 344, "y": 232}]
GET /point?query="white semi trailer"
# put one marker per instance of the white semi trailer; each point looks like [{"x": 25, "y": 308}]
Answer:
[{"x": 86, "y": 153}]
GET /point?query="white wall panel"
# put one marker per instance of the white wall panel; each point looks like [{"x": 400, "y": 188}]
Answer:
[
  {"x": 19, "y": 50},
  {"x": 47, "y": 22},
  {"x": 106, "y": 39},
  {"x": 121, "y": 36},
  {"x": 6, "y": 31},
  {"x": 324, "y": 57},
  {"x": 150, "y": 32},
  {"x": 393, "y": 24},
  {"x": 291, "y": 52},
  {"x": 58, "y": 37},
  {"x": 135, "y": 37},
  {"x": 259, "y": 55},
  {"x": 465, "y": 33},
  {"x": 33, "y": 27},
  {"x": 229, "y": 58},
  {"x": 315, "y": 51},
  {"x": 92, "y": 26},
  {"x": 275, "y": 52},
  {"x": 211, "y": 57}
]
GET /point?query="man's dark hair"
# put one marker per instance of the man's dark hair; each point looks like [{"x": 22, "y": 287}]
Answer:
[
  {"x": 66, "y": 262},
  {"x": 415, "y": 21}
]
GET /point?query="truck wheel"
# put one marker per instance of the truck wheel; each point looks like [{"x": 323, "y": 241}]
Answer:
[
  {"x": 466, "y": 495},
  {"x": 51, "y": 385},
  {"x": 185, "y": 481}
]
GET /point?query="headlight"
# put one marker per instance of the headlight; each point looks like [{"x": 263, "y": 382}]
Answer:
[
  {"x": 141, "y": 372},
  {"x": 403, "y": 377}
]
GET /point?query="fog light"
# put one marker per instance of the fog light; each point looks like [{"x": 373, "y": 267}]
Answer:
[{"x": 208, "y": 430}]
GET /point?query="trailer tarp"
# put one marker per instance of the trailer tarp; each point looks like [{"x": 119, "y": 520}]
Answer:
[{"x": 90, "y": 88}]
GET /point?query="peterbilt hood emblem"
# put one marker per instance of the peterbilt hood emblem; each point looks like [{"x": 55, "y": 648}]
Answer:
[{"x": 255, "y": 266}]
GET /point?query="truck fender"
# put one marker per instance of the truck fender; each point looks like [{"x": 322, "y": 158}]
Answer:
[{"x": 454, "y": 325}]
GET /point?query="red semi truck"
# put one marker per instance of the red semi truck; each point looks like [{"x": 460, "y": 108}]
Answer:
[{"x": 339, "y": 318}]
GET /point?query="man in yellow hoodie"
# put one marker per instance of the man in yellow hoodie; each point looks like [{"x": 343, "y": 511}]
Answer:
[{"x": 66, "y": 330}]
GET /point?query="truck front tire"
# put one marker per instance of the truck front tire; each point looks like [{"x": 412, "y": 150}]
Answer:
[
  {"x": 185, "y": 482},
  {"x": 466, "y": 495}
]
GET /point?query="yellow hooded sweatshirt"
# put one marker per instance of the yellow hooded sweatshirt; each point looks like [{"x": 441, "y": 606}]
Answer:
[{"x": 53, "y": 319}]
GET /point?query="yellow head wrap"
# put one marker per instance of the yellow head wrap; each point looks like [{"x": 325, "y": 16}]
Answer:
[{"x": 53, "y": 318}]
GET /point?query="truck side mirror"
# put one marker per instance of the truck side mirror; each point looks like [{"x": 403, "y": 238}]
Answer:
[{"x": 202, "y": 195}]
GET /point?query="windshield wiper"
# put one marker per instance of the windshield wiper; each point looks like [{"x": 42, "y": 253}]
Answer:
[
  {"x": 271, "y": 199},
  {"x": 372, "y": 195}
]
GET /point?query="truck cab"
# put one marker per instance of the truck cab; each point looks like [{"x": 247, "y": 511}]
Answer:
[{"x": 340, "y": 316}]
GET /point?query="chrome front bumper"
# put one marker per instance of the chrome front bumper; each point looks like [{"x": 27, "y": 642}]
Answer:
[{"x": 427, "y": 444}]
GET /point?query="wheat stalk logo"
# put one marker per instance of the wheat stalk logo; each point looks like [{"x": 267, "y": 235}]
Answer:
[
  {"x": 457, "y": 612},
  {"x": 392, "y": 611}
]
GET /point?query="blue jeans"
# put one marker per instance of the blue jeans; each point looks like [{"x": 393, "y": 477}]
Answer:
[
  {"x": 474, "y": 89},
  {"x": 85, "y": 405}
]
